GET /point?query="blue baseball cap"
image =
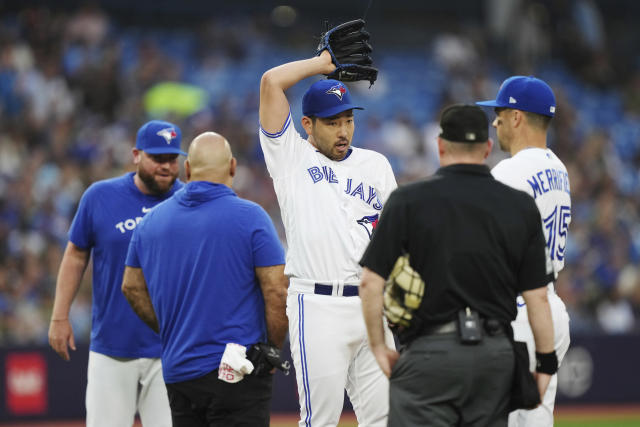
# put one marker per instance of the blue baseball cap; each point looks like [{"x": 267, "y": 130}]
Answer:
[
  {"x": 159, "y": 137},
  {"x": 526, "y": 94},
  {"x": 326, "y": 98}
]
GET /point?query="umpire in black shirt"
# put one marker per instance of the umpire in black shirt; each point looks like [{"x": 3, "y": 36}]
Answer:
[{"x": 476, "y": 243}]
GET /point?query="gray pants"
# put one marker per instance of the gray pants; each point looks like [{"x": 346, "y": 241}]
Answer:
[{"x": 440, "y": 382}]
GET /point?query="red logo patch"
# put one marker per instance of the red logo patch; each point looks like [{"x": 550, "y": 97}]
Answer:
[{"x": 26, "y": 383}]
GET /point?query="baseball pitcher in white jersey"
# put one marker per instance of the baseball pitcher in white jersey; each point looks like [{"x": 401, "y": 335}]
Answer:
[
  {"x": 524, "y": 108},
  {"x": 330, "y": 195}
]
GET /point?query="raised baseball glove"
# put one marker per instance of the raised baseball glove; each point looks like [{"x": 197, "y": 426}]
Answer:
[{"x": 350, "y": 50}]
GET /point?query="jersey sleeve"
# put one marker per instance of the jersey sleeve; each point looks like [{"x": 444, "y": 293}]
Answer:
[
  {"x": 82, "y": 227},
  {"x": 509, "y": 173},
  {"x": 535, "y": 267},
  {"x": 389, "y": 238},
  {"x": 266, "y": 246},
  {"x": 281, "y": 148}
]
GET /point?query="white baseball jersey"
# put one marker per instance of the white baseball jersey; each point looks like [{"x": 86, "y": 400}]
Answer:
[
  {"x": 329, "y": 208},
  {"x": 542, "y": 174}
]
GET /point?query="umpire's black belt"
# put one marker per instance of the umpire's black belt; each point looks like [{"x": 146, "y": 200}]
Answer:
[
  {"x": 444, "y": 328},
  {"x": 490, "y": 326}
]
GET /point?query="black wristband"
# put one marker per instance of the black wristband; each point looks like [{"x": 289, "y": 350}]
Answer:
[{"x": 547, "y": 363}]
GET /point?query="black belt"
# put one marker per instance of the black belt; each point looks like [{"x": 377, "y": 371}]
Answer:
[
  {"x": 490, "y": 326},
  {"x": 443, "y": 328},
  {"x": 325, "y": 289}
]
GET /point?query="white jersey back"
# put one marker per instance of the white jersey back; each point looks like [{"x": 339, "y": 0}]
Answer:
[
  {"x": 542, "y": 174},
  {"x": 329, "y": 208}
]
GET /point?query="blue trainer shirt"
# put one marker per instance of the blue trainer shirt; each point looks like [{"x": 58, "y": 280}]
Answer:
[
  {"x": 107, "y": 215},
  {"x": 198, "y": 252}
]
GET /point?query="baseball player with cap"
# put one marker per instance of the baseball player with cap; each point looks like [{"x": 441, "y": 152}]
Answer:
[
  {"x": 331, "y": 195},
  {"x": 524, "y": 108},
  {"x": 124, "y": 373}
]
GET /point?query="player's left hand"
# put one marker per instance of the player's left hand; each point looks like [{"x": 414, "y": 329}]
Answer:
[{"x": 386, "y": 358}]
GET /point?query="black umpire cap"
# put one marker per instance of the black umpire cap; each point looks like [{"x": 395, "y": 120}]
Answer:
[{"x": 464, "y": 123}]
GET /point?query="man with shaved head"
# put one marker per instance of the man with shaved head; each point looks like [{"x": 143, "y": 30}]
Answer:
[{"x": 206, "y": 269}]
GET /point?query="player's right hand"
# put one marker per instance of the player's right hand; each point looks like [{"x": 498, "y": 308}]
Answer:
[
  {"x": 327, "y": 64},
  {"x": 61, "y": 338}
]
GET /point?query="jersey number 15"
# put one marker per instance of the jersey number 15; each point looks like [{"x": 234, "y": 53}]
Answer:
[{"x": 556, "y": 225}]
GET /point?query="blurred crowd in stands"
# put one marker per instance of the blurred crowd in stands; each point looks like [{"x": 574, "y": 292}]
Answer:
[{"x": 76, "y": 85}]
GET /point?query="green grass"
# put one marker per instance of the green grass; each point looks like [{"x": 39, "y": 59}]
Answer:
[
  {"x": 560, "y": 421},
  {"x": 599, "y": 422},
  {"x": 602, "y": 421}
]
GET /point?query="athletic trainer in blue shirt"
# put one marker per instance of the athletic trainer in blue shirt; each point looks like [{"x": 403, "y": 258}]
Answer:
[
  {"x": 124, "y": 373},
  {"x": 206, "y": 268}
]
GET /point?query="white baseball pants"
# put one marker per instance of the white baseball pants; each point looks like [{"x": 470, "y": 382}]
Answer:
[
  {"x": 117, "y": 388},
  {"x": 330, "y": 353},
  {"x": 542, "y": 416}
]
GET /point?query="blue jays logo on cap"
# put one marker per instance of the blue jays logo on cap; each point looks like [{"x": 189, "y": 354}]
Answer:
[
  {"x": 327, "y": 98},
  {"x": 526, "y": 94},
  {"x": 159, "y": 137},
  {"x": 337, "y": 91},
  {"x": 168, "y": 134}
]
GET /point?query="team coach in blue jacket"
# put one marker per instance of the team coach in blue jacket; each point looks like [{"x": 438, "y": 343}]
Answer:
[{"x": 204, "y": 269}]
